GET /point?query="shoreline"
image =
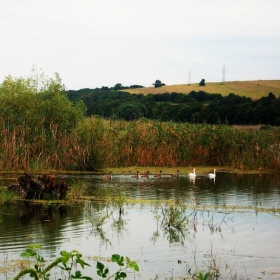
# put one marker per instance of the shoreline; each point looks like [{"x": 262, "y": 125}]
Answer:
[{"x": 184, "y": 170}]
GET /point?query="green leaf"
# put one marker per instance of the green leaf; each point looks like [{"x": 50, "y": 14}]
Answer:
[
  {"x": 24, "y": 254},
  {"x": 82, "y": 263},
  {"x": 122, "y": 275},
  {"x": 75, "y": 253},
  {"x": 100, "y": 266},
  {"x": 134, "y": 265},
  {"x": 115, "y": 258},
  {"x": 28, "y": 253},
  {"x": 78, "y": 275},
  {"x": 63, "y": 253},
  {"x": 65, "y": 257},
  {"x": 118, "y": 259}
]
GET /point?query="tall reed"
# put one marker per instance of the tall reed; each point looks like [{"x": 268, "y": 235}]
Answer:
[{"x": 95, "y": 143}]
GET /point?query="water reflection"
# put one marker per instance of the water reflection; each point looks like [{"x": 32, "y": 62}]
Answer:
[{"x": 165, "y": 238}]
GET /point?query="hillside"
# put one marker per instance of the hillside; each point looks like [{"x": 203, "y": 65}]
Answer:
[{"x": 252, "y": 89}]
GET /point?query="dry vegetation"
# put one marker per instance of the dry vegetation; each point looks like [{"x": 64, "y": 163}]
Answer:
[
  {"x": 252, "y": 89},
  {"x": 97, "y": 144}
]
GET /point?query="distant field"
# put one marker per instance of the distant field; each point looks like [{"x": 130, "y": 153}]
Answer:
[{"x": 252, "y": 89}]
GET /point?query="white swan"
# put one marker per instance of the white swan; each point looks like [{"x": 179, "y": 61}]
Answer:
[
  {"x": 193, "y": 174},
  {"x": 212, "y": 175}
]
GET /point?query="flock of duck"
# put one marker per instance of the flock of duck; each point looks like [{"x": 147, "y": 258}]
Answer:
[{"x": 191, "y": 175}]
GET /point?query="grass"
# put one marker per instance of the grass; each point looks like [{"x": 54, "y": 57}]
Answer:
[
  {"x": 252, "y": 89},
  {"x": 184, "y": 170},
  {"x": 6, "y": 196}
]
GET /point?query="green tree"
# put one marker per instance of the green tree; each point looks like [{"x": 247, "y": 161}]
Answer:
[
  {"x": 158, "y": 83},
  {"x": 202, "y": 83},
  {"x": 118, "y": 86},
  {"x": 131, "y": 111},
  {"x": 35, "y": 114},
  {"x": 23, "y": 104}
]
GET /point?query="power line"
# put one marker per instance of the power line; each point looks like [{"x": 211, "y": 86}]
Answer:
[
  {"x": 224, "y": 74},
  {"x": 189, "y": 83}
]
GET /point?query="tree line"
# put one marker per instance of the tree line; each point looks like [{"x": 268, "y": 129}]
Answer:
[
  {"x": 195, "y": 107},
  {"x": 42, "y": 129}
]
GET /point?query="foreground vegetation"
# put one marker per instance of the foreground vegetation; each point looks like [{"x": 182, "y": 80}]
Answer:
[
  {"x": 68, "y": 262},
  {"x": 41, "y": 129}
]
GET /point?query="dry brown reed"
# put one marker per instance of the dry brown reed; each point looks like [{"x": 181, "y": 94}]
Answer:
[{"x": 97, "y": 143}]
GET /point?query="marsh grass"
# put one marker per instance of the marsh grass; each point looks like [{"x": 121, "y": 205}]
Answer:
[
  {"x": 6, "y": 196},
  {"x": 96, "y": 144},
  {"x": 77, "y": 191},
  {"x": 172, "y": 220},
  {"x": 98, "y": 217}
]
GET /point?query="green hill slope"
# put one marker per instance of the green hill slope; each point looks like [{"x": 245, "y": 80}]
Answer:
[{"x": 252, "y": 89}]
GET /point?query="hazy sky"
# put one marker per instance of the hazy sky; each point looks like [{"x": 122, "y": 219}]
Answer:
[{"x": 94, "y": 43}]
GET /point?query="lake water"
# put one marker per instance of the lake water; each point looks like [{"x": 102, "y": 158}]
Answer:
[{"x": 232, "y": 226}]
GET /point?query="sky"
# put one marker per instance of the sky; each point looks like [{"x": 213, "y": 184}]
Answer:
[{"x": 95, "y": 43}]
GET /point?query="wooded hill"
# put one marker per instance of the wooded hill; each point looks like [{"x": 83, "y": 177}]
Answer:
[{"x": 241, "y": 103}]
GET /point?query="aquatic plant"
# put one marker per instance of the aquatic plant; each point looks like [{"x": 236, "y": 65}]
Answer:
[
  {"x": 173, "y": 222},
  {"x": 174, "y": 216},
  {"x": 97, "y": 218},
  {"x": 202, "y": 275},
  {"x": 6, "y": 196},
  {"x": 77, "y": 190},
  {"x": 68, "y": 263},
  {"x": 119, "y": 201},
  {"x": 123, "y": 262}
]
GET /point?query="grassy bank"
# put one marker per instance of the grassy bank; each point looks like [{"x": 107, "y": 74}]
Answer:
[{"x": 252, "y": 89}]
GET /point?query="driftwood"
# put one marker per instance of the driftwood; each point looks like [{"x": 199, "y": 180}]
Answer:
[{"x": 42, "y": 187}]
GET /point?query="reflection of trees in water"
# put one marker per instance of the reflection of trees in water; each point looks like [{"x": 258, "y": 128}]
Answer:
[
  {"x": 35, "y": 223},
  {"x": 28, "y": 213}
]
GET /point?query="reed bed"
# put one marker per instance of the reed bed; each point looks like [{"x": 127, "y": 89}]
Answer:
[{"x": 95, "y": 143}]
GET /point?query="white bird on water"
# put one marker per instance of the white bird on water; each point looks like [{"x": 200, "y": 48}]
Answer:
[
  {"x": 212, "y": 175},
  {"x": 193, "y": 174}
]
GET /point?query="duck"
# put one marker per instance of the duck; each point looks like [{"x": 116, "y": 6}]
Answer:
[
  {"x": 145, "y": 175},
  {"x": 212, "y": 175},
  {"x": 192, "y": 174},
  {"x": 158, "y": 175},
  {"x": 107, "y": 176},
  {"x": 135, "y": 175},
  {"x": 176, "y": 174}
]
